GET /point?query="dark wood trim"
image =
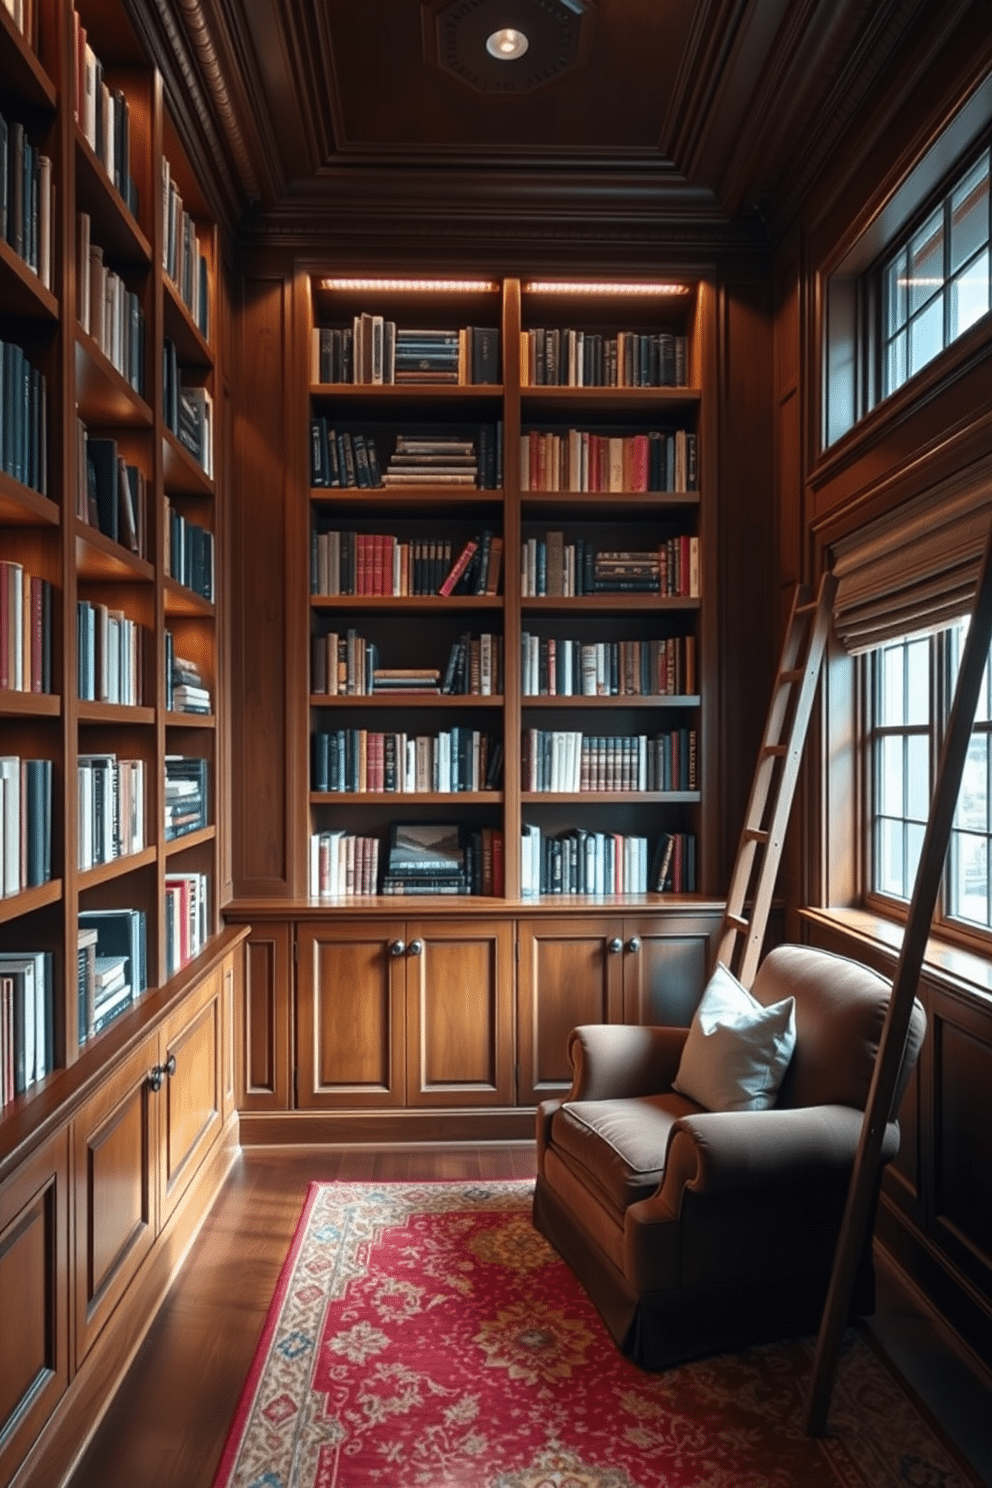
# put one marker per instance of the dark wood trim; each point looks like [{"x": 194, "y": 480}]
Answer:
[{"x": 375, "y": 1128}]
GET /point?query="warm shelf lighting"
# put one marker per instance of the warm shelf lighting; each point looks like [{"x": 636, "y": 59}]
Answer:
[
  {"x": 578, "y": 287},
  {"x": 507, "y": 44},
  {"x": 418, "y": 286}
]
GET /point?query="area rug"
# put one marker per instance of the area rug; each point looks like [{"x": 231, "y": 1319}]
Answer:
[{"x": 423, "y": 1335}]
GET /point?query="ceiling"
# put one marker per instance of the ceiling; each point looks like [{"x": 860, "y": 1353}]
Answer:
[{"x": 692, "y": 117}]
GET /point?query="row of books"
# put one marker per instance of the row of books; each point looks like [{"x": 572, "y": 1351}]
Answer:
[
  {"x": 379, "y": 563},
  {"x": 23, "y": 419},
  {"x": 27, "y": 199},
  {"x": 25, "y": 630},
  {"x": 112, "y": 965},
  {"x": 182, "y": 257},
  {"x": 579, "y": 358},
  {"x": 187, "y": 918},
  {"x": 366, "y": 760},
  {"x": 188, "y": 410},
  {"x": 349, "y": 665},
  {"x": 568, "y": 761},
  {"x": 189, "y": 553},
  {"x": 343, "y": 865},
  {"x": 554, "y": 666},
  {"x": 374, "y": 350},
  {"x": 577, "y": 861},
  {"x": 350, "y": 458},
  {"x": 104, "y": 116},
  {"x": 581, "y": 460},
  {"x": 110, "y": 808},
  {"x": 27, "y": 1032},
  {"x": 185, "y": 688},
  {"x": 550, "y": 566},
  {"x": 111, "y": 492},
  {"x": 25, "y": 823},
  {"x": 424, "y": 859},
  {"x": 109, "y": 663},
  {"x": 186, "y": 794},
  {"x": 108, "y": 311}
]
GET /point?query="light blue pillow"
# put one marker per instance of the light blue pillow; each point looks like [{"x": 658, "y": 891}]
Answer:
[{"x": 738, "y": 1050}]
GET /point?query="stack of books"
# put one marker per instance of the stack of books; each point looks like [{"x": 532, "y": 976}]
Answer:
[
  {"x": 426, "y": 858},
  {"x": 433, "y": 460},
  {"x": 185, "y": 794},
  {"x": 374, "y": 350},
  {"x": 112, "y": 970},
  {"x": 185, "y": 691}
]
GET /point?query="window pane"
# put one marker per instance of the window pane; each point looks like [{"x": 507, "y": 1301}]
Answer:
[
  {"x": 973, "y": 797},
  {"x": 926, "y": 261},
  {"x": 970, "y": 295},
  {"x": 889, "y": 786},
  {"x": 893, "y": 661},
  {"x": 970, "y": 214},
  {"x": 969, "y": 877},
  {"x": 926, "y": 335},
  {"x": 889, "y": 859},
  {"x": 918, "y": 777},
  {"x": 914, "y": 846},
  {"x": 918, "y": 681},
  {"x": 895, "y": 366},
  {"x": 896, "y": 299}
]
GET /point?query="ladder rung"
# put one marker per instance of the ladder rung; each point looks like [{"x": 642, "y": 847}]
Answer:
[
  {"x": 778, "y": 751},
  {"x": 795, "y": 675},
  {"x": 756, "y": 834},
  {"x": 738, "y": 922},
  {"x": 809, "y": 608}
]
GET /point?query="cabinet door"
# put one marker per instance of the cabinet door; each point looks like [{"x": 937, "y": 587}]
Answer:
[
  {"x": 265, "y": 1067},
  {"x": 666, "y": 963},
  {"x": 34, "y": 1297},
  {"x": 115, "y": 1144},
  {"x": 190, "y": 1051},
  {"x": 351, "y": 1015},
  {"x": 459, "y": 1013},
  {"x": 569, "y": 972}
]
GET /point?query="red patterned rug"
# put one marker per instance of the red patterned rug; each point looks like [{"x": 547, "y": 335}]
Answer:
[{"x": 424, "y": 1334}]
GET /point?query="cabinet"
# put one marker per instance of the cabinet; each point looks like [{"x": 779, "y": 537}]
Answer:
[
  {"x": 111, "y": 507},
  {"x": 605, "y": 968},
  {"x": 405, "y": 1013}
]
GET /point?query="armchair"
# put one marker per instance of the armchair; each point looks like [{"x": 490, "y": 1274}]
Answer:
[{"x": 698, "y": 1231}]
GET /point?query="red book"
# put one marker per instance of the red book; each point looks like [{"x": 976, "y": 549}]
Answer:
[
  {"x": 37, "y": 635},
  {"x": 458, "y": 567}
]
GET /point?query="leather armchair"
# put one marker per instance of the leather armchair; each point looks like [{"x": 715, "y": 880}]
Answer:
[{"x": 697, "y": 1232}]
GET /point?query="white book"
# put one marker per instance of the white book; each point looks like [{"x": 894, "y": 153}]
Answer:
[{"x": 10, "y": 774}]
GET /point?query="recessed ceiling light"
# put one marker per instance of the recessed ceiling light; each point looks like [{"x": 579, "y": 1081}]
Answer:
[{"x": 507, "y": 44}]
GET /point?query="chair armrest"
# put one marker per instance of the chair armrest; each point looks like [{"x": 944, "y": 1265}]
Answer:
[
  {"x": 611, "y": 1061},
  {"x": 731, "y": 1151}
]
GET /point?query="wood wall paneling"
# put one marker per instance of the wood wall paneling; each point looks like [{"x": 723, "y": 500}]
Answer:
[
  {"x": 260, "y": 826},
  {"x": 264, "y": 1019},
  {"x": 962, "y": 1050},
  {"x": 192, "y": 1096}
]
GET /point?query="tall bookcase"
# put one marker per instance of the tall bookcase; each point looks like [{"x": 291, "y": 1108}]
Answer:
[
  {"x": 602, "y": 475},
  {"x": 99, "y": 341}
]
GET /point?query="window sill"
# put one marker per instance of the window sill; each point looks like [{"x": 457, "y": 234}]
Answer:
[{"x": 958, "y": 970}]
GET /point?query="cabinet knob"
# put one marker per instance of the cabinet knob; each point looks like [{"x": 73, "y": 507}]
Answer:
[
  {"x": 614, "y": 946},
  {"x": 169, "y": 1066},
  {"x": 634, "y": 944},
  {"x": 397, "y": 947},
  {"x": 155, "y": 1077},
  {"x": 416, "y": 947}
]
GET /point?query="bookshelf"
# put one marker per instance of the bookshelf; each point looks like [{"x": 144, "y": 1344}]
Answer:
[{"x": 601, "y": 508}]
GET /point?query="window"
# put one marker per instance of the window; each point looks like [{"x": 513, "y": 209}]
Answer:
[
  {"x": 910, "y": 690},
  {"x": 937, "y": 284}
]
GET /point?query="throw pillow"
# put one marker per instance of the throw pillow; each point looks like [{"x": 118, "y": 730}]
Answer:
[{"x": 738, "y": 1050}]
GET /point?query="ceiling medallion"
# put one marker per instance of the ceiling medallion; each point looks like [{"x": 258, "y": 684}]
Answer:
[{"x": 504, "y": 47}]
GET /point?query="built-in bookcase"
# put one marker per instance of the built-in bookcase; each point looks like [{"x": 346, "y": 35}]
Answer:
[
  {"x": 114, "y": 626},
  {"x": 595, "y": 493}
]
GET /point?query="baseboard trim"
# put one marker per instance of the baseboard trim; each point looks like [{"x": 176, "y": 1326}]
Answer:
[{"x": 381, "y": 1128}]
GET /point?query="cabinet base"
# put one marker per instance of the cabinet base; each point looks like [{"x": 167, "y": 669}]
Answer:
[{"x": 385, "y": 1128}]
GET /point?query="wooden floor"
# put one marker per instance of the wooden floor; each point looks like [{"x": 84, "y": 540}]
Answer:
[{"x": 167, "y": 1425}]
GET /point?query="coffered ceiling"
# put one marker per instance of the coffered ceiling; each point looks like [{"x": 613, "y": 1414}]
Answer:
[{"x": 388, "y": 116}]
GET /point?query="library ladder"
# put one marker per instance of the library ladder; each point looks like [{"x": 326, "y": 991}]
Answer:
[{"x": 759, "y": 852}]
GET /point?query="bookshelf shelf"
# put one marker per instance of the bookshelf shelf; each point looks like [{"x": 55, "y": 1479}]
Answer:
[
  {"x": 381, "y": 396},
  {"x": 190, "y": 721},
  {"x": 117, "y": 232},
  {"x": 176, "y": 845},
  {"x": 22, "y": 290},
  {"x": 99, "y": 557},
  {"x": 410, "y": 798},
  {"x": 29, "y": 704},
  {"x": 114, "y": 713},
  {"x": 29, "y": 901},
  {"x": 22, "y": 71},
  {"x": 191, "y": 345},
  {"x": 609, "y": 798},
  {"x": 183, "y": 476},
  {"x": 105, "y": 397},
  {"x": 428, "y": 604},
  {"x": 22, "y": 507},
  {"x": 611, "y": 703},
  {"x": 398, "y": 702},
  {"x": 103, "y": 873},
  {"x": 182, "y": 601},
  {"x": 606, "y": 604}
]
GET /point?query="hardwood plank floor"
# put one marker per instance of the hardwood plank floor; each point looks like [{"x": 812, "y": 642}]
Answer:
[{"x": 168, "y": 1423}]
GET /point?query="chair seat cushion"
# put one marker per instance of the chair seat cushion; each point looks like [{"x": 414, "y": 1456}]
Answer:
[{"x": 619, "y": 1145}]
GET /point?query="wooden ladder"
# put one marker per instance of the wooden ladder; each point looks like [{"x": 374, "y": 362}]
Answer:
[{"x": 759, "y": 852}]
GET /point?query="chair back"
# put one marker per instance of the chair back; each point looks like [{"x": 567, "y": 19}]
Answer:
[{"x": 840, "y": 1010}]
